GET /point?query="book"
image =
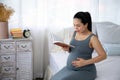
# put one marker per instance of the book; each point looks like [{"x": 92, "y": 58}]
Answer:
[
  {"x": 62, "y": 44},
  {"x": 59, "y": 42}
]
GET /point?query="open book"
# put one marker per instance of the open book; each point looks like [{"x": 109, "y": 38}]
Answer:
[{"x": 59, "y": 42}]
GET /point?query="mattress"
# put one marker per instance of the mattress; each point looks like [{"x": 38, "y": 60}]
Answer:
[{"x": 108, "y": 69}]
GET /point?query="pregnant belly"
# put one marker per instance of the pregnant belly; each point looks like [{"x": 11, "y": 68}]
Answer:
[
  {"x": 69, "y": 62},
  {"x": 74, "y": 57}
]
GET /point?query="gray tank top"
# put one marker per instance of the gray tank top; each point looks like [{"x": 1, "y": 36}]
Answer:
[{"x": 81, "y": 50}]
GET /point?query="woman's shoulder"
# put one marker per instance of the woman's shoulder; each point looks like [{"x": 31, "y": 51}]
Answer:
[
  {"x": 93, "y": 35},
  {"x": 94, "y": 38}
]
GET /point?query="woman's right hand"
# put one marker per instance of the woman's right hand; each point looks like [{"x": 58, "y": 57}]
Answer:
[{"x": 65, "y": 48}]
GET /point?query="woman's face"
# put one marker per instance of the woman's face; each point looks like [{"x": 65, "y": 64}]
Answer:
[{"x": 79, "y": 26}]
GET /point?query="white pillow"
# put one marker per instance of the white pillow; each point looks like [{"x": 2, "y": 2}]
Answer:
[
  {"x": 53, "y": 48},
  {"x": 108, "y": 32},
  {"x": 112, "y": 49}
]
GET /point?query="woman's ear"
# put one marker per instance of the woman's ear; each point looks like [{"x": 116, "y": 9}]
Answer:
[{"x": 86, "y": 25}]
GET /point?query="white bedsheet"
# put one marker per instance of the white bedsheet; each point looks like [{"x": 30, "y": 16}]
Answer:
[
  {"x": 108, "y": 69},
  {"x": 58, "y": 61}
]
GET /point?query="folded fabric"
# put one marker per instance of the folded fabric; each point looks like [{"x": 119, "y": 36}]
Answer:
[{"x": 16, "y": 32}]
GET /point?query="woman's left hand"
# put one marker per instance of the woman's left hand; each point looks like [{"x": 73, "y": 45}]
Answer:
[{"x": 79, "y": 62}]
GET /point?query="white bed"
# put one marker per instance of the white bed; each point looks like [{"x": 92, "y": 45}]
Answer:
[{"x": 108, "y": 69}]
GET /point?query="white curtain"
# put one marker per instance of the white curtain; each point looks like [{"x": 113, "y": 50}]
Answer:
[
  {"x": 109, "y": 11},
  {"x": 61, "y": 12},
  {"x": 41, "y": 16}
]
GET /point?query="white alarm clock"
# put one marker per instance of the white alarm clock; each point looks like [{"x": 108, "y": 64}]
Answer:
[{"x": 26, "y": 33}]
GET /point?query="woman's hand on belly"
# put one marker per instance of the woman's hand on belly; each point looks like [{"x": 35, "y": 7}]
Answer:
[{"x": 79, "y": 62}]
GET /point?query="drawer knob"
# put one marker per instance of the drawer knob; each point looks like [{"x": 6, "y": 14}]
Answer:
[{"x": 17, "y": 69}]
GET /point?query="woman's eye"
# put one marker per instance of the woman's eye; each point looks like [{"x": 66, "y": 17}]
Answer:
[{"x": 77, "y": 25}]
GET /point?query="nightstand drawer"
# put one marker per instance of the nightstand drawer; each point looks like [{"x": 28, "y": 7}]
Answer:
[
  {"x": 24, "y": 46},
  {"x": 7, "y": 70},
  {"x": 7, "y": 58},
  {"x": 7, "y": 47}
]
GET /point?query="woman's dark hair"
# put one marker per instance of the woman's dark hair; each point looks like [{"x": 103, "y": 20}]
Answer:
[{"x": 85, "y": 17}]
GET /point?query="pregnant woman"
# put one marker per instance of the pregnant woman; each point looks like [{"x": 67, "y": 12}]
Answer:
[{"x": 80, "y": 64}]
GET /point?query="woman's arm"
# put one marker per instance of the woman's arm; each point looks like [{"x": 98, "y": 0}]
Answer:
[{"x": 95, "y": 43}]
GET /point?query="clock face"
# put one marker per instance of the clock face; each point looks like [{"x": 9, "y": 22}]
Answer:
[{"x": 26, "y": 33}]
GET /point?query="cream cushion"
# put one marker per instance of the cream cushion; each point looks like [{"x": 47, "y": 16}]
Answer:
[{"x": 108, "y": 32}]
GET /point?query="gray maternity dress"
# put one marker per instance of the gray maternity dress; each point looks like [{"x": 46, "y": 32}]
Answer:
[{"x": 81, "y": 50}]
